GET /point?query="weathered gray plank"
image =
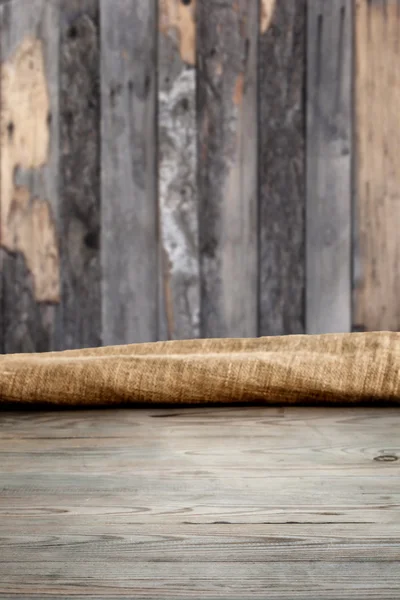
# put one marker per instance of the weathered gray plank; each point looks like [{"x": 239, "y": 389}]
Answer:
[
  {"x": 29, "y": 46},
  {"x": 282, "y": 60},
  {"x": 329, "y": 149},
  {"x": 377, "y": 104},
  {"x": 129, "y": 245},
  {"x": 80, "y": 173},
  {"x": 208, "y": 579},
  {"x": 150, "y": 504},
  {"x": 227, "y": 131},
  {"x": 180, "y": 279}
]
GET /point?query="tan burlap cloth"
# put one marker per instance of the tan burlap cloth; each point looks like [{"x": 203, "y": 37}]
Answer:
[{"x": 321, "y": 369}]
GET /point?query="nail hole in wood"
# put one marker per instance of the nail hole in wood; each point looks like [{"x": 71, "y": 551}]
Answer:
[
  {"x": 147, "y": 84},
  {"x": 91, "y": 240},
  {"x": 10, "y": 129},
  {"x": 73, "y": 32}
]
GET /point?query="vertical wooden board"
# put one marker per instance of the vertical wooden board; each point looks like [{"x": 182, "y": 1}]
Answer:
[
  {"x": 329, "y": 149},
  {"x": 282, "y": 59},
  {"x": 129, "y": 244},
  {"x": 377, "y": 105},
  {"x": 80, "y": 173},
  {"x": 227, "y": 181},
  {"x": 180, "y": 288},
  {"x": 29, "y": 162}
]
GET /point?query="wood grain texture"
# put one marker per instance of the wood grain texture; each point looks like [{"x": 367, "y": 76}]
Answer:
[
  {"x": 80, "y": 173},
  {"x": 282, "y": 62},
  {"x": 217, "y": 503},
  {"x": 377, "y": 104},
  {"x": 329, "y": 149},
  {"x": 29, "y": 175},
  {"x": 129, "y": 248},
  {"x": 227, "y": 182},
  {"x": 177, "y": 139}
]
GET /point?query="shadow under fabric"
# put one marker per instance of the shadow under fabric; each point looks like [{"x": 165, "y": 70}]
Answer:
[{"x": 317, "y": 369}]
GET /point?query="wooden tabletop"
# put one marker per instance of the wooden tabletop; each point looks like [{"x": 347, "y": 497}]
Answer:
[{"x": 277, "y": 503}]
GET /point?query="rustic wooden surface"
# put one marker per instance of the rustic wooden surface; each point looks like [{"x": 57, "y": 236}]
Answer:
[
  {"x": 29, "y": 201},
  {"x": 329, "y": 151},
  {"x": 129, "y": 247},
  {"x": 79, "y": 173},
  {"x": 200, "y": 503},
  {"x": 282, "y": 61},
  {"x": 177, "y": 169},
  {"x": 377, "y": 104},
  {"x": 227, "y": 181}
]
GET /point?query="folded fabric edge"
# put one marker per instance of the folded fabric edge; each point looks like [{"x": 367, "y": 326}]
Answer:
[{"x": 359, "y": 368}]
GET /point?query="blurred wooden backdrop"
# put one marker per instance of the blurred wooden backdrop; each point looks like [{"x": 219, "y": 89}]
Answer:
[{"x": 173, "y": 170}]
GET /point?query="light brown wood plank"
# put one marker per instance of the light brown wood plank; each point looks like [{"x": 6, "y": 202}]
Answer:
[
  {"x": 329, "y": 151},
  {"x": 282, "y": 63},
  {"x": 227, "y": 183},
  {"x": 177, "y": 149},
  {"x": 377, "y": 104},
  {"x": 218, "y": 503},
  {"x": 29, "y": 191},
  {"x": 80, "y": 173},
  {"x": 129, "y": 244}
]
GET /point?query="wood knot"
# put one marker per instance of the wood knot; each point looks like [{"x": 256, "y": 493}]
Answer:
[
  {"x": 73, "y": 32},
  {"x": 386, "y": 458},
  {"x": 10, "y": 129},
  {"x": 185, "y": 104}
]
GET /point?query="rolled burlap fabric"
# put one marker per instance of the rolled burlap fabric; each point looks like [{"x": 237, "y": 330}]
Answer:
[{"x": 331, "y": 368}]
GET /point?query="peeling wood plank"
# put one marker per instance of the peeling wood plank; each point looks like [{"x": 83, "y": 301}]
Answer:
[
  {"x": 329, "y": 150},
  {"x": 180, "y": 287},
  {"x": 227, "y": 131},
  {"x": 267, "y": 8},
  {"x": 29, "y": 175},
  {"x": 129, "y": 248},
  {"x": 282, "y": 166},
  {"x": 80, "y": 173},
  {"x": 26, "y": 224},
  {"x": 377, "y": 105}
]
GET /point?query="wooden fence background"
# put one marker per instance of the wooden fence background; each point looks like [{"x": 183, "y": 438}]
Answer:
[{"x": 172, "y": 170}]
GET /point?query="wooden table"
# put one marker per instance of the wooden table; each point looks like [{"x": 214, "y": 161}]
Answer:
[{"x": 200, "y": 503}]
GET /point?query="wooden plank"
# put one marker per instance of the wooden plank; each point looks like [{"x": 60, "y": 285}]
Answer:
[
  {"x": 149, "y": 504},
  {"x": 227, "y": 131},
  {"x": 377, "y": 84},
  {"x": 29, "y": 45},
  {"x": 180, "y": 299},
  {"x": 80, "y": 173},
  {"x": 129, "y": 245},
  {"x": 329, "y": 150},
  {"x": 207, "y": 579},
  {"x": 282, "y": 59}
]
